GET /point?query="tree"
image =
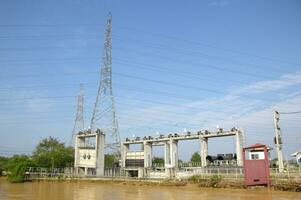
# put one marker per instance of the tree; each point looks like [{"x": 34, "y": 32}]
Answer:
[
  {"x": 195, "y": 157},
  {"x": 158, "y": 160},
  {"x": 51, "y": 153},
  {"x": 17, "y": 166},
  {"x": 3, "y": 163},
  {"x": 110, "y": 160}
]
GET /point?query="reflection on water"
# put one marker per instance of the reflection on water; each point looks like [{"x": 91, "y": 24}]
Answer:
[{"x": 88, "y": 190}]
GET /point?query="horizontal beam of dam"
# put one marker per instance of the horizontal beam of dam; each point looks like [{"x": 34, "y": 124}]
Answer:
[{"x": 177, "y": 137}]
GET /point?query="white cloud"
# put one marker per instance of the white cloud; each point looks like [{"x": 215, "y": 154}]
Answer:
[
  {"x": 228, "y": 111},
  {"x": 286, "y": 80}
]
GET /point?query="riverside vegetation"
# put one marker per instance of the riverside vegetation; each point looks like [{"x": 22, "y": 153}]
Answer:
[{"x": 50, "y": 152}]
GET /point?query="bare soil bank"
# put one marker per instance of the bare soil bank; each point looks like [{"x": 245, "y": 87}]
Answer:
[{"x": 279, "y": 185}]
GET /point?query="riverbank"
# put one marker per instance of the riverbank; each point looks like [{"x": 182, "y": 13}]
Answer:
[{"x": 209, "y": 182}]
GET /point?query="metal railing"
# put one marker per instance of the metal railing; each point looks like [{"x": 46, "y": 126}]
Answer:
[
  {"x": 225, "y": 172},
  {"x": 289, "y": 173},
  {"x": 36, "y": 172},
  {"x": 230, "y": 163}
]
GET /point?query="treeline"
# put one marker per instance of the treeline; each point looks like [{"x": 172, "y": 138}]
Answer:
[{"x": 49, "y": 153}]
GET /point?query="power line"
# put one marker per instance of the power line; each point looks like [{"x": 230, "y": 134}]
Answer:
[
  {"x": 207, "y": 45},
  {"x": 197, "y": 64},
  {"x": 64, "y": 74},
  {"x": 180, "y": 73},
  {"x": 48, "y": 25},
  {"x": 288, "y": 113},
  {"x": 197, "y": 53},
  {"x": 160, "y": 35},
  {"x": 157, "y": 82},
  {"x": 158, "y": 46}
]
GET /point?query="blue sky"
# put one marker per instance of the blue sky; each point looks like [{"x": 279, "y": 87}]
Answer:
[{"x": 176, "y": 65}]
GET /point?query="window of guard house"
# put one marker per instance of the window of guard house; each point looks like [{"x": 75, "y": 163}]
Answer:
[{"x": 254, "y": 156}]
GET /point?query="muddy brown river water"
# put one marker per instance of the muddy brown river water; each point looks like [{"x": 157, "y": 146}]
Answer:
[{"x": 100, "y": 191}]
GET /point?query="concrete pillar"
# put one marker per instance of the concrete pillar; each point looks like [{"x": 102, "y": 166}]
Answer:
[
  {"x": 79, "y": 142},
  {"x": 171, "y": 158},
  {"x": 174, "y": 153},
  {"x": 239, "y": 141},
  {"x": 204, "y": 151},
  {"x": 86, "y": 171},
  {"x": 124, "y": 149},
  {"x": 147, "y": 155},
  {"x": 100, "y": 154},
  {"x": 140, "y": 172},
  {"x": 167, "y": 161},
  {"x": 166, "y": 154},
  {"x": 127, "y": 173}
]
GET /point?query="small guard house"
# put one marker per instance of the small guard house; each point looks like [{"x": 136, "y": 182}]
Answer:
[{"x": 256, "y": 165}]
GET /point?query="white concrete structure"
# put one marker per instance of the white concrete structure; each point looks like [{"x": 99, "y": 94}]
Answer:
[
  {"x": 170, "y": 144},
  {"x": 171, "y": 157},
  {"x": 204, "y": 150},
  {"x": 89, "y": 158},
  {"x": 147, "y": 147}
]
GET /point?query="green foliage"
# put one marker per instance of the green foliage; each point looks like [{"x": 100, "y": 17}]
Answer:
[
  {"x": 48, "y": 153},
  {"x": 213, "y": 181},
  {"x": 110, "y": 159},
  {"x": 3, "y": 163},
  {"x": 158, "y": 160},
  {"x": 51, "y": 153},
  {"x": 216, "y": 178},
  {"x": 194, "y": 178},
  {"x": 17, "y": 166},
  {"x": 195, "y": 157}
]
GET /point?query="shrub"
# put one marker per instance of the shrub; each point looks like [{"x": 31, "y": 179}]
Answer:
[
  {"x": 17, "y": 166},
  {"x": 3, "y": 163}
]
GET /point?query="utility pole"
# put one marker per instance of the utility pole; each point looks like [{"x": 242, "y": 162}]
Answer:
[
  {"x": 79, "y": 118},
  {"x": 104, "y": 116},
  {"x": 278, "y": 141}
]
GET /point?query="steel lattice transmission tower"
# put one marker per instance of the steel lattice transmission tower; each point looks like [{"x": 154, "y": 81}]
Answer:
[
  {"x": 104, "y": 116},
  {"x": 79, "y": 118}
]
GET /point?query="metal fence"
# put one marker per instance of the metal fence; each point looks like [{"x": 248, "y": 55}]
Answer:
[
  {"x": 289, "y": 173},
  {"x": 216, "y": 163},
  {"x": 233, "y": 172},
  {"x": 230, "y": 172},
  {"x": 39, "y": 172}
]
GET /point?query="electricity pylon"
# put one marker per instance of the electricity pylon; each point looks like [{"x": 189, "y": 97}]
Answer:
[
  {"x": 104, "y": 116},
  {"x": 79, "y": 118}
]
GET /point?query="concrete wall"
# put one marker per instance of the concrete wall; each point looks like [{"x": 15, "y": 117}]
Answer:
[{"x": 89, "y": 160}]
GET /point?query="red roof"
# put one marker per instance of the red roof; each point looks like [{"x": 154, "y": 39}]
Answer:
[{"x": 258, "y": 145}]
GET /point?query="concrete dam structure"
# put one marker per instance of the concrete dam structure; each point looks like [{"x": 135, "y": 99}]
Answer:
[
  {"x": 139, "y": 163},
  {"x": 89, "y": 153}
]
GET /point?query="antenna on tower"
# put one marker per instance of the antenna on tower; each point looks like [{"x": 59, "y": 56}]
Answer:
[
  {"x": 79, "y": 118},
  {"x": 104, "y": 117}
]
